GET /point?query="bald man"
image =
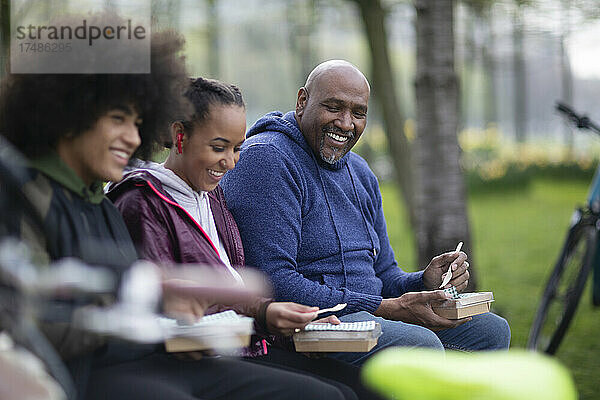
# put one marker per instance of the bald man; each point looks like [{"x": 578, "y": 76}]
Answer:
[{"x": 310, "y": 214}]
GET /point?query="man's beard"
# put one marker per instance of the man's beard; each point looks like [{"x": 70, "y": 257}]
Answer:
[{"x": 335, "y": 150}]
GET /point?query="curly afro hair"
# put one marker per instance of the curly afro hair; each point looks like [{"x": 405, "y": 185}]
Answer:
[{"x": 36, "y": 110}]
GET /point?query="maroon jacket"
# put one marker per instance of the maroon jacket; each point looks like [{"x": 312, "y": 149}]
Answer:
[{"x": 164, "y": 232}]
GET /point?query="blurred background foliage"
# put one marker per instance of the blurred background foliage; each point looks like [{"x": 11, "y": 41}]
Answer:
[
  {"x": 267, "y": 47},
  {"x": 524, "y": 168}
]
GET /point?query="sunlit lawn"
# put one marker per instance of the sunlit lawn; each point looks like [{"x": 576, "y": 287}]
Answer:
[{"x": 516, "y": 237}]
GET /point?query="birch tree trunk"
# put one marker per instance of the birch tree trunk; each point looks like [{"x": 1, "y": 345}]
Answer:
[{"x": 440, "y": 198}]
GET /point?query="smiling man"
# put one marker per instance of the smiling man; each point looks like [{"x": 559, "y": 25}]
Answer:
[
  {"x": 336, "y": 115},
  {"x": 310, "y": 214}
]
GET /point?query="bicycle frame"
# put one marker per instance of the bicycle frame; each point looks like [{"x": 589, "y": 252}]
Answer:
[
  {"x": 596, "y": 277},
  {"x": 593, "y": 202},
  {"x": 593, "y": 199},
  {"x": 580, "y": 253}
]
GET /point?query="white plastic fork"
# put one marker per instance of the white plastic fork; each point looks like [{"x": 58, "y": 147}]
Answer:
[
  {"x": 338, "y": 307},
  {"x": 448, "y": 275}
]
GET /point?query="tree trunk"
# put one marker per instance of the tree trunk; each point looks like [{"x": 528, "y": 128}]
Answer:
[
  {"x": 565, "y": 70},
  {"x": 440, "y": 196},
  {"x": 566, "y": 89},
  {"x": 519, "y": 79},
  {"x": 468, "y": 79},
  {"x": 301, "y": 20},
  {"x": 481, "y": 13},
  {"x": 373, "y": 16},
  {"x": 212, "y": 35},
  {"x": 490, "y": 111}
]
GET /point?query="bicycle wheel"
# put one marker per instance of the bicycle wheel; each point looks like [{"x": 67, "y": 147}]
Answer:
[{"x": 564, "y": 288}]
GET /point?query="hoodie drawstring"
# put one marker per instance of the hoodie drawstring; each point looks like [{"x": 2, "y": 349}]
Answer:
[
  {"x": 362, "y": 213},
  {"x": 333, "y": 221}
]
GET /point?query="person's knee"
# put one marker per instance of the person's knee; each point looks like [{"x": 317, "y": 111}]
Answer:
[
  {"x": 498, "y": 332},
  {"x": 424, "y": 337},
  {"x": 416, "y": 336},
  {"x": 490, "y": 332},
  {"x": 397, "y": 333}
]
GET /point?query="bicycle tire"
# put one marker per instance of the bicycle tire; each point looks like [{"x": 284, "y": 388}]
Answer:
[{"x": 564, "y": 288}]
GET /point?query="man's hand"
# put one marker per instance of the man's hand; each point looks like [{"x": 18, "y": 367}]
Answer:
[
  {"x": 432, "y": 276},
  {"x": 284, "y": 318},
  {"x": 415, "y": 308}
]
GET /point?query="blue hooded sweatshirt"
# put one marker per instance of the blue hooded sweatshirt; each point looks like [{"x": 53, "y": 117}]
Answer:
[{"x": 316, "y": 229}]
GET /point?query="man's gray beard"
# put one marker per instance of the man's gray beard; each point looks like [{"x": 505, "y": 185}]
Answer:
[
  {"x": 331, "y": 159},
  {"x": 328, "y": 160}
]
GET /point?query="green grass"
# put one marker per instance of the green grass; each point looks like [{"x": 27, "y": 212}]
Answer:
[{"x": 517, "y": 236}]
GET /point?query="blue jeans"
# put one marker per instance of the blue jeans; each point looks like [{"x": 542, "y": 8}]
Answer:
[{"x": 484, "y": 332}]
